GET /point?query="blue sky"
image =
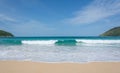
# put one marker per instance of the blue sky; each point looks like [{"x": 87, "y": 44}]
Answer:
[{"x": 59, "y": 17}]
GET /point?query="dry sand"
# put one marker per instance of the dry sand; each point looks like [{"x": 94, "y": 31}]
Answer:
[{"x": 35, "y": 67}]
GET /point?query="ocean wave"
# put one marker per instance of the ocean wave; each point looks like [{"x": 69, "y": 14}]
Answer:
[
  {"x": 50, "y": 42},
  {"x": 62, "y": 42},
  {"x": 98, "y": 41},
  {"x": 10, "y": 42},
  {"x": 42, "y": 42},
  {"x": 58, "y": 42}
]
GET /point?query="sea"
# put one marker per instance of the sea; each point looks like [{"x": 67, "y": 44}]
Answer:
[{"x": 60, "y": 49}]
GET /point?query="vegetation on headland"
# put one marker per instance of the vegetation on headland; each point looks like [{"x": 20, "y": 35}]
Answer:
[
  {"x": 112, "y": 32},
  {"x": 5, "y": 34}
]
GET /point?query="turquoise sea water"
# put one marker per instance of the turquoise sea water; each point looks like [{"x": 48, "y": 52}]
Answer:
[{"x": 60, "y": 49}]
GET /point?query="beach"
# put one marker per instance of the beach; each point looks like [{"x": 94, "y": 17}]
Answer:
[
  {"x": 38, "y": 67},
  {"x": 60, "y": 55}
]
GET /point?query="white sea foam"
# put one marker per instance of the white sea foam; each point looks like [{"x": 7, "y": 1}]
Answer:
[
  {"x": 42, "y": 42},
  {"x": 78, "y": 53},
  {"x": 58, "y": 50},
  {"x": 52, "y": 42},
  {"x": 97, "y": 41}
]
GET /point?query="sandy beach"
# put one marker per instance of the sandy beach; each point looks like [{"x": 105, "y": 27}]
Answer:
[{"x": 36, "y": 67}]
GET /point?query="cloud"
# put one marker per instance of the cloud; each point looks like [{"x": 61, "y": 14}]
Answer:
[
  {"x": 30, "y": 28},
  {"x": 4, "y": 18},
  {"x": 24, "y": 27},
  {"x": 96, "y": 11}
]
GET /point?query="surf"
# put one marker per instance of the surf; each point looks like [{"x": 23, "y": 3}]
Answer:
[
  {"x": 60, "y": 49},
  {"x": 58, "y": 41},
  {"x": 97, "y": 41},
  {"x": 10, "y": 42},
  {"x": 41, "y": 42}
]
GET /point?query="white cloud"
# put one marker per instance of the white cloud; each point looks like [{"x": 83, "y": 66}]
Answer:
[
  {"x": 25, "y": 27},
  {"x": 95, "y": 11},
  {"x": 5, "y": 18},
  {"x": 31, "y": 28}
]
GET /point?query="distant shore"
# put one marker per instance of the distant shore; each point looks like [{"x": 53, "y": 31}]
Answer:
[{"x": 36, "y": 67}]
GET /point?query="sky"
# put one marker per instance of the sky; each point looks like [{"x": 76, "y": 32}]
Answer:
[{"x": 59, "y": 17}]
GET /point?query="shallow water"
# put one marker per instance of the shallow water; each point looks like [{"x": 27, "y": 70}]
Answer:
[{"x": 60, "y": 49}]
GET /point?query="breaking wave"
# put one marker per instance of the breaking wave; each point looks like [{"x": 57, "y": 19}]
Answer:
[
  {"x": 57, "y": 42},
  {"x": 68, "y": 42}
]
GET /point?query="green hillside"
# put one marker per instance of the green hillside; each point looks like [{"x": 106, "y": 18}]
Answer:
[
  {"x": 112, "y": 32},
  {"x": 5, "y": 34}
]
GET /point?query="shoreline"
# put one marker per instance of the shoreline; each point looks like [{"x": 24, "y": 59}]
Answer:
[
  {"x": 40, "y": 67},
  {"x": 60, "y": 62}
]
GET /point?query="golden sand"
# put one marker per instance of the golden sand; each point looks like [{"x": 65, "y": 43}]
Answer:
[{"x": 36, "y": 67}]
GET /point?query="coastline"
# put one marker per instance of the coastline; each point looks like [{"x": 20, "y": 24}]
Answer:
[{"x": 40, "y": 67}]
